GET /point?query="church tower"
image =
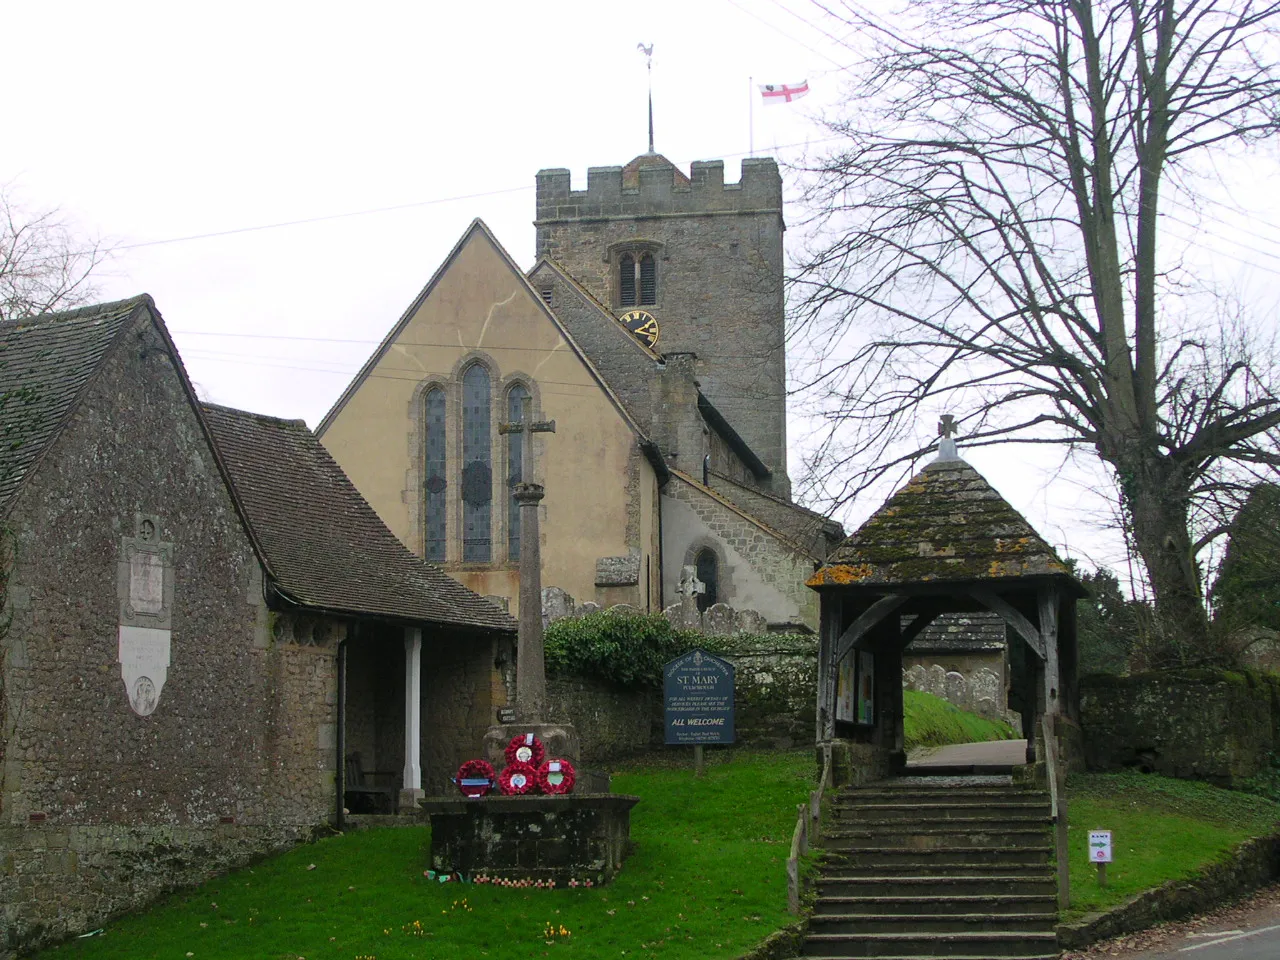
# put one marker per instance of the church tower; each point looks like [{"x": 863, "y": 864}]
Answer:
[{"x": 701, "y": 256}]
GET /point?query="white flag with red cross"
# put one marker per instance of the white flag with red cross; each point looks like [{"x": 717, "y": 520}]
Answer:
[{"x": 783, "y": 92}]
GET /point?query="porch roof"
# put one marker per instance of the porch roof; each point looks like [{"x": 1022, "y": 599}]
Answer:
[{"x": 323, "y": 545}]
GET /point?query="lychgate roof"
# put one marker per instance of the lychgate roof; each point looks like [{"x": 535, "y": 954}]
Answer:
[
  {"x": 324, "y": 545},
  {"x": 946, "y": 524}
]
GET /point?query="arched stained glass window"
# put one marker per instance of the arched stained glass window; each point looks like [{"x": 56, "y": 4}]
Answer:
[
  {"x": 648, "y": 280},
  {"x": 627, "y": 281},
  {"x": 515, "y": 468},
  {"x": 708, "y": 571},
  {"x": 477, "y": 470},
  {"x": 435, "y": 483}
]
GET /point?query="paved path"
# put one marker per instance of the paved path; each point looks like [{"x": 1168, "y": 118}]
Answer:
[{"x": 963, "y": 754}]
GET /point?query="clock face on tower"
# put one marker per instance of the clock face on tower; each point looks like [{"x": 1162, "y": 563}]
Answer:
[{"x": 643, "y": 326}]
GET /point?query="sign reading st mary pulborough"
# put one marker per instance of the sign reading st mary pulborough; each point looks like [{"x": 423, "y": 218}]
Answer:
[{"x": 698, "y": 692}]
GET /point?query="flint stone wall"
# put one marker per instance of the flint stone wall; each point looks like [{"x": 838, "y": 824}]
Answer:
[
  {"x": 1213, "y": 725},
  {"x": 775, "y": 688},
  {"x": 101, "y": 809}
]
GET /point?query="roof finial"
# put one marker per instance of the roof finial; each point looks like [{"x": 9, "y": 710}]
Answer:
[
  {"x": 947, "y": 430},
  {"x": 648, "y": 53}
]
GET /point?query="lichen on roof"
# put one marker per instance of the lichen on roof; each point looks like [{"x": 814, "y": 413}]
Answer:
[{"x": 947, "y": 523}]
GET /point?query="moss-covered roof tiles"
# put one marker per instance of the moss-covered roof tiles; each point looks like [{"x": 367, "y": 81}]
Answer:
[{"x": 946, "y": 524}]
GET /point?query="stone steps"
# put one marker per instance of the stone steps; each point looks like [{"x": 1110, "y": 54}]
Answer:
[
  {"x": 1012, "y": 859},
  {"x": 957, "y": 868},
  {"x": 935, "y": 906}
]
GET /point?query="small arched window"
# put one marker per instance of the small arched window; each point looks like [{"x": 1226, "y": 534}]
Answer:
[
  {"x": 627, "y": 280},
  {"x": 436, "y": 469},
  {"x": 515, "y": 467},
  {"x": 477, "y": 470},
  {"x": 648, "y": 280},
  {"x": 708, "y": 572}
]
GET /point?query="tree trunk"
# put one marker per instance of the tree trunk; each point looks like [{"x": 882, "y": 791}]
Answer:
[{"x": 1157, "y": 497}]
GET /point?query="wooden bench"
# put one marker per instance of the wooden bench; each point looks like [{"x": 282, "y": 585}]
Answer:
[{"x": 360, "y": 791}]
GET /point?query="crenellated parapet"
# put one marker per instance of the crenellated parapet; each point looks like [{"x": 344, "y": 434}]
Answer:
[{"x": 659, "y": 189}]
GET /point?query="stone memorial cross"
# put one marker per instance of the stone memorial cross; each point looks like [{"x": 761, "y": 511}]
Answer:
[{"x": 531, "y": 675}]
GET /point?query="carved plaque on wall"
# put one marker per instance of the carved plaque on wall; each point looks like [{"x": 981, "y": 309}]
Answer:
[{"x": 145, "y": 587}]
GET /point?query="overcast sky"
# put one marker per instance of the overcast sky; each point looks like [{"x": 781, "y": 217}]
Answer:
[{"x": 182, "y": 133}]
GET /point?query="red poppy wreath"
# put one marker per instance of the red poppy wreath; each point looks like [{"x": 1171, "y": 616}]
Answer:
[
  {"x": 475, "y": 778},
  {"x": 517, "y": 778},
  {"x": 525, "y": 748},
  {"x": 555, "y": 776}
]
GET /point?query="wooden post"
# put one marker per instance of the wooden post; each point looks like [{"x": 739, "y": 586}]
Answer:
[
  {"x": 829, "y": 633},
  {"x": 698, "y": 767},
  {"x": 1048, "y": 605},
  {"x": 1102, "y": 874}
]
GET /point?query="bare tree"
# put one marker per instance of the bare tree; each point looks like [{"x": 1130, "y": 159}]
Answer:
[
  {"x": 44, "y": 265},
  {"x": 986, "y": 238}
]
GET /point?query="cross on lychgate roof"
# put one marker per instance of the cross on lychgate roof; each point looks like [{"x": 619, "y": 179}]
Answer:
[
  {"x": 527, "y": 427},
  {"x": 947, "y": 426}
]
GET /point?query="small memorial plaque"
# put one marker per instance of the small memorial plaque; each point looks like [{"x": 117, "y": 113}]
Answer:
[
  {"x": 697, "y": 692},
  {"x": 506, "y": 715}
]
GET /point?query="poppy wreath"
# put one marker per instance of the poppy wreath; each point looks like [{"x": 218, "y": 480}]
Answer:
[
  {"x": 556, "y": 776},
  {"x": 525, "y": 748},
  {"x": 475, "y": 778},
  {"x": 517, "y": 778}
]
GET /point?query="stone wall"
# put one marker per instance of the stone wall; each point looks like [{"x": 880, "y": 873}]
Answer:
[
  {"x": 1206, "y": 724},
  {"x": 757, "y": 570},
  {"x": 102, "y": 807},
  {"x": 775, "y": 685}
]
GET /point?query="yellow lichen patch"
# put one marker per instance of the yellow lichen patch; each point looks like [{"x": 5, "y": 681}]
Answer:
[
  {"x": 1005, "y": 568},
  {"x": 1012, "y": 546},
  {"x": 841, "y": 573}
]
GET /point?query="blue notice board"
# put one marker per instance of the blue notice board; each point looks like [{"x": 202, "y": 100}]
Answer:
[{"x": 697, "y": 690}]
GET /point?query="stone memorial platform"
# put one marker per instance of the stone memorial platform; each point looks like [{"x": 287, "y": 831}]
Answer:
[{"x": 561, "y": 838}]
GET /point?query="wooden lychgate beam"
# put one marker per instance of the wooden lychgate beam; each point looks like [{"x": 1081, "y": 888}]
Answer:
[
  {"x": 875, "y": 613},
  {"x": 1021, "y": 624}
]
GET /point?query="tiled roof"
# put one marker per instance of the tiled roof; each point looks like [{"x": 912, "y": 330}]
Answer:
[
  {"x": 324, "y": 545},
  {"x": 960, "y": 633},
  {"x": 946, "y": 524},
  {"x": 45, "y": 363}
]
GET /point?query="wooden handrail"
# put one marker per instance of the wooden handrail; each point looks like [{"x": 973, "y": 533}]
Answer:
[
  {"x": 799, "y": 846},
  {"x": 808, "y": 829},
  {"x": 1057, "y": 808}
]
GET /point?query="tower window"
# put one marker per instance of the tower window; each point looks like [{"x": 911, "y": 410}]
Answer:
[
  {"x": 648, "y": 280},
  {"x": 515, "y": 467},
  {"x": 435, "y": 482},
  {"x": 546, "y": 296},
  {"x": 477, "y": 472},
  {"x": 627, "y": 281},
  {"x": 708, "y": 571}
]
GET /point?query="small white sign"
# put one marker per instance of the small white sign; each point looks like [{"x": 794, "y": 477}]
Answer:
[{"x": 1100, "y": 846}]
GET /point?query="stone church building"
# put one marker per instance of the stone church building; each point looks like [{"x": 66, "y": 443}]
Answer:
[{"x": 651, "y": 330}]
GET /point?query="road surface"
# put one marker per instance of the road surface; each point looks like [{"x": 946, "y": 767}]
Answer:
[{"x": 1248, "y": 931}]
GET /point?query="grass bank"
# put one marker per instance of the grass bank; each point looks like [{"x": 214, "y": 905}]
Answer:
[
  {"x": 930, "y": 721},
  {"x": 706, "y": 880},
  {"x": 1161, "y": 829}
]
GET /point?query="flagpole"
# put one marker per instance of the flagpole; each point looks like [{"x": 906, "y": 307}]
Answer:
[{"x": 751, "y": 116}]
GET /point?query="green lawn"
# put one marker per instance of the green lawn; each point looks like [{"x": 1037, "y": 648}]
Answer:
[
  {"x": 1161, "y": 829},
  {"x": 707, "y": 880},
  {"x": 930, "y": 721}
]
